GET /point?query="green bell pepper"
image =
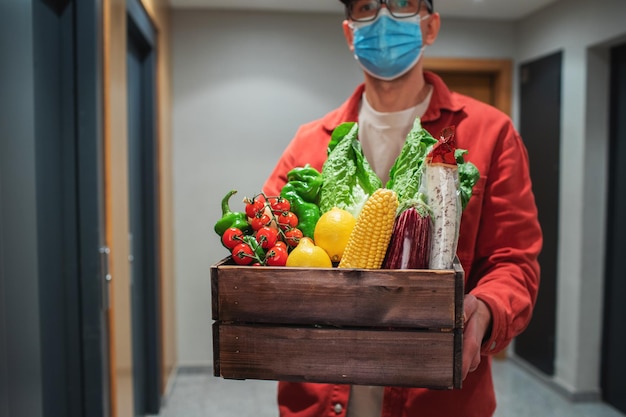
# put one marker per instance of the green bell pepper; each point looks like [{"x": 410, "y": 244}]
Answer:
[
  {"x": 308, "y": 213},
  {"x": 307, "y": 182},
  {"x": 231, "y": 218}
]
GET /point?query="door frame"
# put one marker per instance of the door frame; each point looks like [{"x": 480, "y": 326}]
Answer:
[{"x": 500, "y": 69}]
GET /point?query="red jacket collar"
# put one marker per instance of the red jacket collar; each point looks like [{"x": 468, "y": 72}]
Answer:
[{"x": 441, "y": 100}]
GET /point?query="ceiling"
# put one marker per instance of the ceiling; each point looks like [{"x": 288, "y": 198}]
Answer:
[{"x": 487, "y": 9}]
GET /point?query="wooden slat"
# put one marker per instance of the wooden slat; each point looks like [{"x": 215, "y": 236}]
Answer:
[
  {"x": 330, "y": 355},
  {"x": 342, "y": 297}
]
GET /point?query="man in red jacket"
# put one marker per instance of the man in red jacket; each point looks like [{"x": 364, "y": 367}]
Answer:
[{"x": 500, "y": 236}]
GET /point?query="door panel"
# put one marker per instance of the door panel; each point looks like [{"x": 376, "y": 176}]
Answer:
[
  {"x": 56, "y": 180},
  {"x": 614, "y": 340},
  {"x": 143, "y": 210},
  {"x": 488, "y": 80},
  {"x": 90, "y": 189},
  {"x": 477, "y": 85},
  {"x": 540, "y": 127}
]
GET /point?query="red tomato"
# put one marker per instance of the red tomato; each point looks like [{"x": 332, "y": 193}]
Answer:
[
  {"x": 279, "y": 204},
  {"x": 259, "y": 221},
  {"x": 267, "y": 237},
  {"x": 287, "y": 220},
  {"x": 276, "y": 256},
  {"x": 282, "y": 244},
  {"x": 255, "y": 206},
  {"x": 232, "y": 237},
  {"x": 293, "y": 236},
  {"x": 242, "y": 254}
]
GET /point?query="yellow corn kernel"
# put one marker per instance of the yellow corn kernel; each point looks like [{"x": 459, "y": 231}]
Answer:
[{"x": 370, "y": 237}]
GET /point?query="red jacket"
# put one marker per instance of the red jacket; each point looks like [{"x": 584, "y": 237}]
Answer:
[{"x": 500, "y": 239}]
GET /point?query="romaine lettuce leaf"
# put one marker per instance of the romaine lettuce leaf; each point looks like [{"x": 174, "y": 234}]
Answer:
[
  {"x": 348, "y": 178},
  {"x": 468, "y": 176},
  {"x": 405, "y": 176}
]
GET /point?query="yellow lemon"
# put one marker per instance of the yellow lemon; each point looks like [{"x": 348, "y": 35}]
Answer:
[
  {"x": 307, "y": 255},
  {"x": 332, "y": 232}
]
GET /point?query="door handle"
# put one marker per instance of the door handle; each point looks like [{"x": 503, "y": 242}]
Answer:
[{"x": 105, "y": 253}]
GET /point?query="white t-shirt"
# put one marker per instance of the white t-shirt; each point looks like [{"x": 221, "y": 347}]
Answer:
[{"x": 382, "y": 135}]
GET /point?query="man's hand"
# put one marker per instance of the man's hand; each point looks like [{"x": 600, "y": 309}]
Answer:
[{"x": 477, "y": 318}]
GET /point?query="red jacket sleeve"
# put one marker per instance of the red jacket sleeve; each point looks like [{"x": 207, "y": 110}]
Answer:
[{"x": 505, "y": 270}]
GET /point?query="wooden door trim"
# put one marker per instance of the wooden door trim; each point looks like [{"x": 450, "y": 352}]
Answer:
[{"x": 500, "y": 69}]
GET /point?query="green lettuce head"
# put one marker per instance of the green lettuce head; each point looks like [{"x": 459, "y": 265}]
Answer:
[{"x": 349, "y": 179}]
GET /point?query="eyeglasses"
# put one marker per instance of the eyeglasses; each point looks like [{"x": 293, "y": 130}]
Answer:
[{"x": 367, "y": 10}]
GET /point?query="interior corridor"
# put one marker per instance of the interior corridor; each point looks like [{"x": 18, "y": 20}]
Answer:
[{"x": 197, "y": 393}]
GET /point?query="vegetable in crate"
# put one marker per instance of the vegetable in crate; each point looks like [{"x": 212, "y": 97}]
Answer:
[
  {"x": 406, "y": 175},
  {"x": 370, "y": 237},
  {"x": 348, "y": 178},
  {"x": 308, "y": 213},
  {"x": 302, "y": 190},
  {"x": 231, "y": 218},
  {"x": 262, "y": 234},
  {"x": 442, "y": 185},
  {"x": 409, "y": 247},
  {"x": 307, "y": 182}
]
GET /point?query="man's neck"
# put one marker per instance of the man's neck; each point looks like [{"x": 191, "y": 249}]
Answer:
[{"x": 400, "y": 94}]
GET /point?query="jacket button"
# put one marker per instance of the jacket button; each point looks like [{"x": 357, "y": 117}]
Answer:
[{"x": 338, "y": 408}]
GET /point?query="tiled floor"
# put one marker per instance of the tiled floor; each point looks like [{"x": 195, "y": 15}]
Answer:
[{"x": 519, "y": 394}]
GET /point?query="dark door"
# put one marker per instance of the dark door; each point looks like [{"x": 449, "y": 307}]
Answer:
[
  {"x": 51, "y": 211},
  {"x": 68, "y": 131},
  {"x": 540, "y": 127},
  {"x": 614, "y": 343},
  {"x": 143, "y": 210}
]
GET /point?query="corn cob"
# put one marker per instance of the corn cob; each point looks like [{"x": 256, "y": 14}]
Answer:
[{"x": 370, "y": 237}]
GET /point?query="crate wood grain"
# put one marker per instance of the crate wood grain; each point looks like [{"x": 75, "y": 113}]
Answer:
[{"x": 352, "y": 326}]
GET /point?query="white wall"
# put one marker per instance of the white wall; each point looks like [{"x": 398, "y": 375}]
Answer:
[
  {"x": 584, "y": 31},
  {"x": 243, "y": 83}
]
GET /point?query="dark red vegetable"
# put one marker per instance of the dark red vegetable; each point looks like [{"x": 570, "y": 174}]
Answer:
[{"x": 410, "y": 242}]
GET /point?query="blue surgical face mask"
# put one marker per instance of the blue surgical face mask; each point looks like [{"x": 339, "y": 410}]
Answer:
[{"x": 386, "y": 47}]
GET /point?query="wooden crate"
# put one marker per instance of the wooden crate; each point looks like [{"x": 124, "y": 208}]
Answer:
[{"x": 346, "y": 326}]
